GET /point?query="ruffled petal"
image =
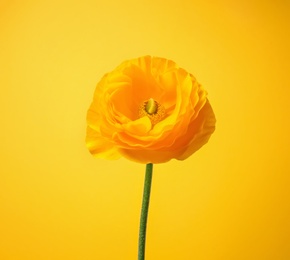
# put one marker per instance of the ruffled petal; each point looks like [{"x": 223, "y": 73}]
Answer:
[
  {"x": 139, "y": 127},
  {"x": 100, "y": 147},
  {"x": 199, "y": 132}
]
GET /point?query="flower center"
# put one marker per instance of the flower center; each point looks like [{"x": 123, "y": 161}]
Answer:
[{"x": 153, "y": 110}]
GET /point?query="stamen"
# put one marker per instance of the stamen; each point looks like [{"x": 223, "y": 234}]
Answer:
[{"x": 153, "y": 110}]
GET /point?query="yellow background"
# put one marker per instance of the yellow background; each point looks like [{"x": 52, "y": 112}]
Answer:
[{"x": 229, "y": 201}]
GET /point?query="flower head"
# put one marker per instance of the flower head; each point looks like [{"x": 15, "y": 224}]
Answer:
[{"x": 150, "y": 111}]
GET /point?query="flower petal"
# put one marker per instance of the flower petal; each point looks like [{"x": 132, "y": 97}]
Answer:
[
  {"x": 99, "y": 146},
  {"x": 139, "y": 127},
  {"x": 199, "y": 132}
]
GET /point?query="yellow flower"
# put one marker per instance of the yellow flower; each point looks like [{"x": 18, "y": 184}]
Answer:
[{"x": 150, "y": 111}]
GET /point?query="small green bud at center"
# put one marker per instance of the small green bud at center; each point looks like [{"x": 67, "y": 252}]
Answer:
[{"x": 151, "y": 106}]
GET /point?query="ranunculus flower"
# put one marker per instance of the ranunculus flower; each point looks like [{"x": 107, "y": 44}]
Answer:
[{"x": 148, "y": 110}]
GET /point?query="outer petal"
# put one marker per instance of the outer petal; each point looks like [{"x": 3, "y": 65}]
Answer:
[
  {"x": 99, "y": 146},
  {"x": 147, "y": 156},
  {"x": 201, "y": 130}
]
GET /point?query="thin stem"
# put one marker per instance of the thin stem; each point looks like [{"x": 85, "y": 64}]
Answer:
[{"x": 144, "y": 211}]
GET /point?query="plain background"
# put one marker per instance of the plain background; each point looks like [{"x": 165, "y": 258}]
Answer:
[{"x": 228, "y": 201}]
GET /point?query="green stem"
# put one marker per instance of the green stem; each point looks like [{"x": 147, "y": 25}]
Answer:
[{"x": 144, "y": 211}]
